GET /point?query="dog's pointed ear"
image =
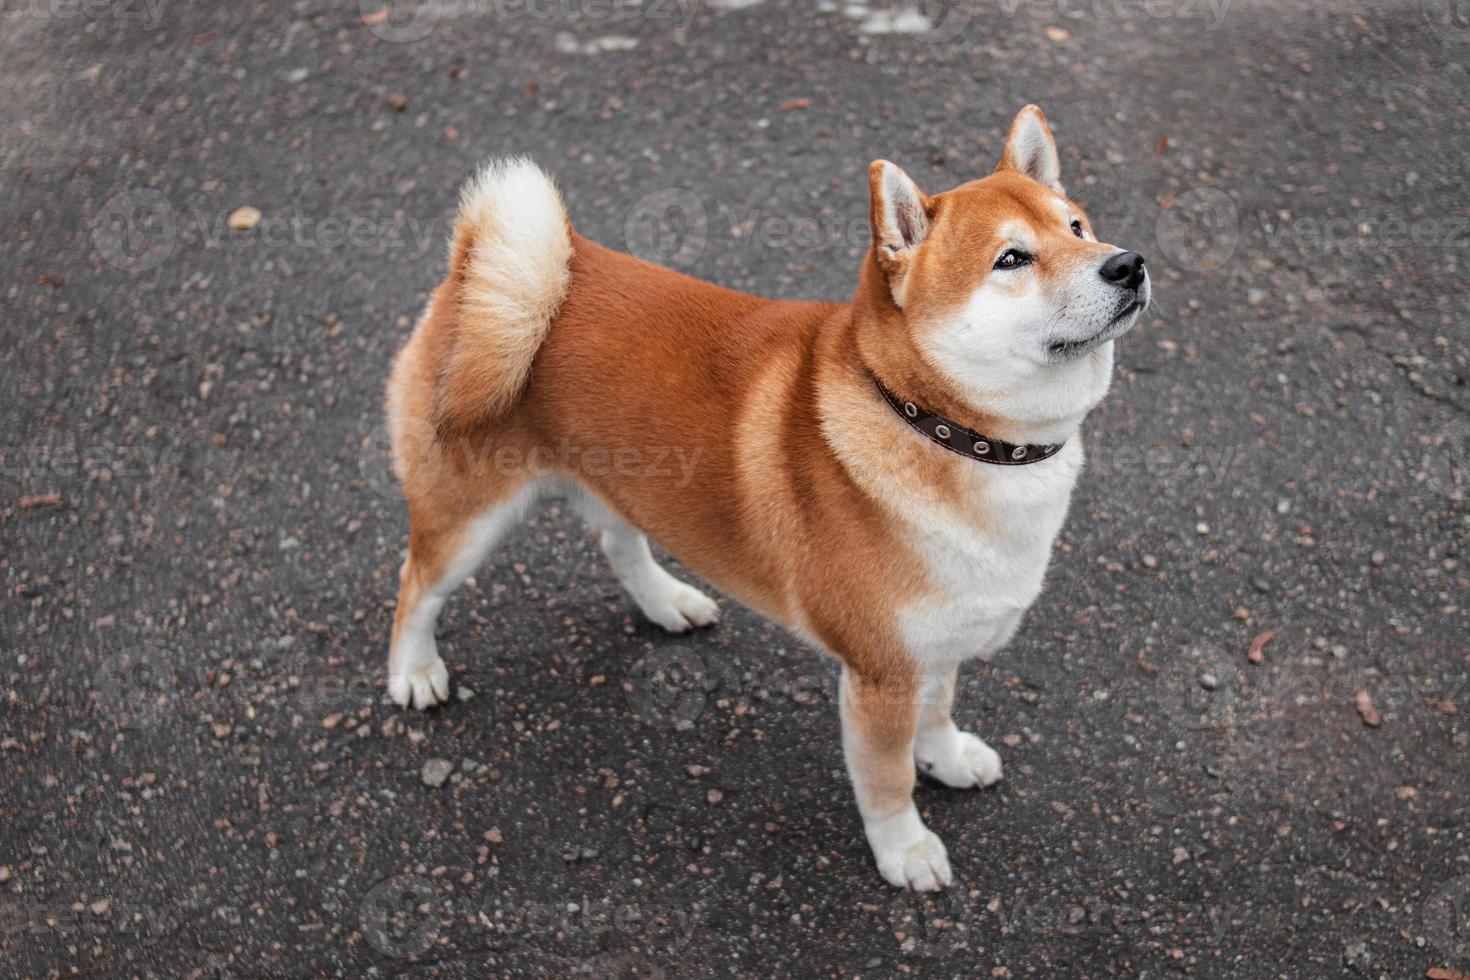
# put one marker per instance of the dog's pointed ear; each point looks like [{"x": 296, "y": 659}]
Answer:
[
  {"x": 1031, "y": 150},
  {"x": 899, "y": 212}
]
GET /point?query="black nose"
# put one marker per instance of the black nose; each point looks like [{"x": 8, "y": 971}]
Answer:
[{"x": 1125, "y": 269}]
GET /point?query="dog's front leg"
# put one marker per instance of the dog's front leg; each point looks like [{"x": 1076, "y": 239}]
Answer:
[
  {"x": 941, "y": 750},
  {"x": 879, "y": 719}
]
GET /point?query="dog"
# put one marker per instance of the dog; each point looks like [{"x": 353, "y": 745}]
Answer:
[{"x": 884, "y": 477}]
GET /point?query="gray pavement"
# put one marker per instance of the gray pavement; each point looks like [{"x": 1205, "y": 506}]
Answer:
[{"x": 199, "y": 773}]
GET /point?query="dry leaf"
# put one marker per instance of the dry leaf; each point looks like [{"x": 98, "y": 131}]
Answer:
[
  {"x": 40, "y": 500},
  {"x": 1258, "y": 645},
  {"x": 377, "y": 17},
  {"x": 1363, "y": 701},
  {"x": 243, "y": 219},
  {"x": 790, "y": 105},
  {"x": 1057, "y": 34}
]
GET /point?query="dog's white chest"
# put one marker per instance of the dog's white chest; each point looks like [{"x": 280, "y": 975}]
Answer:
[{"x": 986, "y": 565}]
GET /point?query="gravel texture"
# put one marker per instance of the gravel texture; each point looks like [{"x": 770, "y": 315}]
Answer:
[{"x": 222, "y": 219}]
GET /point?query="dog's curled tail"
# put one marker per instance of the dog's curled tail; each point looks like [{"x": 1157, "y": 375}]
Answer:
[{"x": 510, "y": 265}]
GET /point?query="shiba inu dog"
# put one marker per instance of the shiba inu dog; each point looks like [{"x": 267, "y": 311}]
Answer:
[{"x": 884, "y": 477}]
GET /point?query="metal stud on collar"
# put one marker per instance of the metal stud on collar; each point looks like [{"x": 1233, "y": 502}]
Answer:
[
  {"x": 1018, "y": 453},
  {"x": 942, "y": 431},
  {"x": 911, "y": 410}
]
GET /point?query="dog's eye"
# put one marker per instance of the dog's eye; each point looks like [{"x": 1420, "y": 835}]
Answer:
[
  {"x": 1012, "y": 258},
  {"x": 1077, "y": 227}
]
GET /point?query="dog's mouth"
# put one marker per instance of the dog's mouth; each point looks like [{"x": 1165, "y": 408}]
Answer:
[{"x": 1064, "y": 350}]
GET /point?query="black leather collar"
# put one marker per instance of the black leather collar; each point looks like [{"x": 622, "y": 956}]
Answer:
[{"x": 958, "y": 439}]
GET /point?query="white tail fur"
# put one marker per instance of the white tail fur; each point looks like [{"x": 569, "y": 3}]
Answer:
[{"x": 510, "y": 262}]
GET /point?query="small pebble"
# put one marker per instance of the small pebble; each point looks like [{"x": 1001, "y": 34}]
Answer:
[{"x": 436, "y": 771}]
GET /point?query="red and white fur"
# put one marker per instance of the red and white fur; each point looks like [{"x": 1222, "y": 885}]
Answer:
[{"x": 810, "y": 500}]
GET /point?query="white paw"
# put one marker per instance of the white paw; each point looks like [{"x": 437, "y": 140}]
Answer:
[
  {"x": 921, "y": 864},
  {"x": 682, "y": 608},
  {"x": 958, "y": 759},
  {"x": 420, "y": 688}
]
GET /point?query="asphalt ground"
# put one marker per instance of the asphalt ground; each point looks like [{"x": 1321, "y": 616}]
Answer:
[{"x": 199, "y": 772}]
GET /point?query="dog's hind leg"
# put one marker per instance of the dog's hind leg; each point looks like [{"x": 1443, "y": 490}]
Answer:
[
  {"x": 676, "y": 606},
  {"x": 452, "y": 389},
  {"x": 446, "y": 545}
]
